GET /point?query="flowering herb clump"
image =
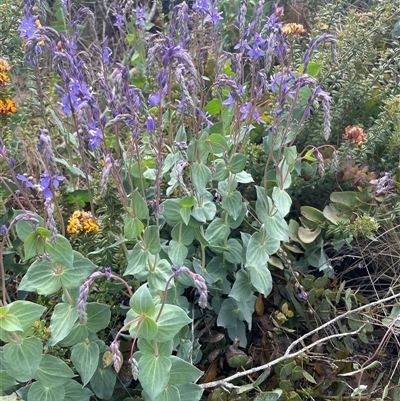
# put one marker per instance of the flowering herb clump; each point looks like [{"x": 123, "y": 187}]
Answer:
[{"x": 81, "y": 221}]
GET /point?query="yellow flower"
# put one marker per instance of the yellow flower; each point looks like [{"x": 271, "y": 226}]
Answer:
[
  {"x": 89, "y": 225},
  {"x": 81, "y": 221},
  {"x": 10, "y": 107},
  {"x": 74, "y": 226},
  {"x": 7, "y": 107},
  {"x": 292, "y": 28},
  {"x": 4, "y": 80}
]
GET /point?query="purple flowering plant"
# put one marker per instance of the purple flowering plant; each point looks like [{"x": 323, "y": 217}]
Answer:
[{"x": 153, "y": 127}]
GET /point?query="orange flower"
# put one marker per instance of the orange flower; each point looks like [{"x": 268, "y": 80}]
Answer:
[{"x": 355, "y": 135}]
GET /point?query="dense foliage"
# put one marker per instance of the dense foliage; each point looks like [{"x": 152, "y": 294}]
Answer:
[{"x": 185, "y": 188}]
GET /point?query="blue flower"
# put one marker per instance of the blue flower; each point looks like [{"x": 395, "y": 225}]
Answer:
[
  {"x": 150, "y": 124},
  {"x": 119, "y": 23},
  {"x": 28, "y": 27}
]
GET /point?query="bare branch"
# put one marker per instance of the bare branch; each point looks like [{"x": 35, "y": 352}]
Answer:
[{"x": 225, "y": 382}]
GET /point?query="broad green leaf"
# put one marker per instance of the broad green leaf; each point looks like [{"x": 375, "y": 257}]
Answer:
[
  {"x": 346, "y": 198},
  {"x": 217, "y": 232},
  {"x": 177, "y": 252},
  {"x": 98, "y": 316},
  {"x": 264, "y": 205},
  {"x": 139, "y": 205},
  {"x": 190, "y": 392},
  {"x": 182, "y": 233},
  {"x": 290, "y": 155},
  {"x": 41, "y": 278},
  {"x": 62, "y": 253},
  {"x": 75, "y": 392},
  {"x": 26, "y": 312},
  {"x": 260, "y": 247},
  {"x": 35, "y": 244},
  {"x": 308, "y": 236},
  {"x": 103, "y": 381},
  {"x": 78, "y": 334},
  {"x": 261, "y": 279},
  {"x": 283, "y": 176},
  {"x": 24, "y": 357},
  {"x": 269, "y": 395},
  {"x": 282, "y": 201},
  {"x": 277, "y": 227},
  {"x": 217, "y": 143},
  {"x": 236, "y": 223},
  {"x": 204, "y": 209},
  {"x": 172, "y": 319},
  {"x": 53, "y": 372},
  {"x": 201, "y": 175},
  {"x": 154, "y": 374},
  {"x": 185, "y": 213},
  {"x": 244, "y": 177},
  {"x": 137, "y": 262},
  {"x": 313, "y": 214},
  {"x": 83, "y": 265},
  {"x": 147, "y": 347},
  {"x": 171, "y": 211},
  {"x": 242, "y": 287},
  {"x": 73, "y": 277},
  {"x": 237, "y": 163},
  {"x": 133, "y": 227},
  {"x": 62, "y": 320},
  {"x": 160, "y": 275},
  {"x": 170, "y": 393},
  {"x": 183, "y": 372},
  {"x": 187, "y": 201},
  {"x": 148, "y": 329},
  {"x": 24, "y": 227},
  {"x": 151, "y": 238},
  {"x": 85, "y": 357},
  {"x": 220, "y": 172},
  {"x": 213, "y": 107},
  {"x": 233, "y": 253},
  {"x": 312, "y": 70},
  {"x": 228, "y": 314},
  {"x": 246, "y": 309},
  {"x": 232, "y": 203},
  {"x": 142, "y": 301},
  {"x": 6, "y": 381},
  {"x": 42, "y": 392},
  {"x": 9, "y": 322}
]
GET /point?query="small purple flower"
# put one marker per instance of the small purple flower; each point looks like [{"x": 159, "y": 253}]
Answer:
[
  {"x": 230, "y": 102},
  {"x": 244, "y": 111},
  {"x": 119, "y": 23},
  {"x": 4, "y": 229},
  {"x": 155, "y": 99},
  {"x": 150, "y": 124},
  {"x": 140, "y": 15},
  {"x": 28, "y": 27},
  {"x": 95, "y": 136},
  {"x": 107, "y": 272},
  {"x": 25, "y": 180},
  {"x": 303, "y": 295},
  {"x": 48, "y": 184}
]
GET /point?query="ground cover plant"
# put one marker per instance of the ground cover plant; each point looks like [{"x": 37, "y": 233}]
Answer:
[{"x": 180, "y": 212}]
